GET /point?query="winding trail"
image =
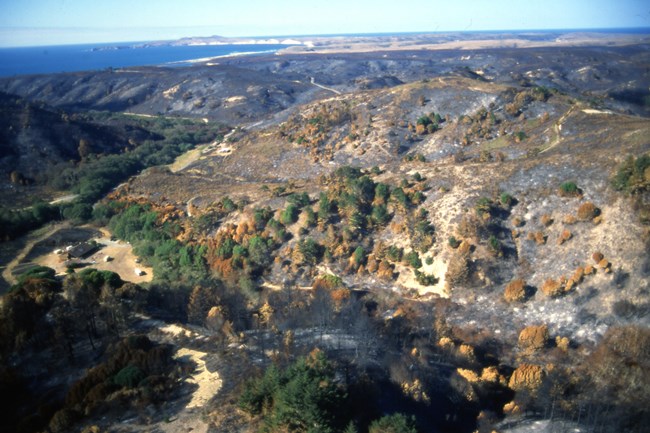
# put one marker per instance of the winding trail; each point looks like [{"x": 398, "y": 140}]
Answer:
[
  {"x": 65, "y": 199},
  {"x": 313, "y": 81},
  {"x": 155, "y": 116},
  {"x": 558, "y": 129}
]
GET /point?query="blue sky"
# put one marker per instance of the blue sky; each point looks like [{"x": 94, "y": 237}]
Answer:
[{"x": 52, "y": 22}]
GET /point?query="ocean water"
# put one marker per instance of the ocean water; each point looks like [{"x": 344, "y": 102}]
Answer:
[{"x": 72, "y": 58}]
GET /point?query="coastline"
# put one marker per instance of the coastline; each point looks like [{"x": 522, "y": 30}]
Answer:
[
  {"x": 196, "y": 51},
  {"x": 15, "y": 62},
  {"x": 208, "y": 60}
]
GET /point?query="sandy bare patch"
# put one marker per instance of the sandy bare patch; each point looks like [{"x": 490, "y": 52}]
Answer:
[
  {"x": 234, "y": 100},
  {"x": 177, "y": 330},
  {"x": 122, "y": 260},
  {"x": 208, "y": 382},
  {"x": 169, "y": 93},
  {"x": 185, "y": 160},
  {"x": 437, "y": 268},
  {"x": 592, "y": 111}
]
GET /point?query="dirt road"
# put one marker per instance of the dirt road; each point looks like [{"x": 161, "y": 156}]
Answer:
[{"x": 7, "y": 273}]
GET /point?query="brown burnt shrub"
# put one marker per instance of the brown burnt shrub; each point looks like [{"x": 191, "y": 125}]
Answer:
[
  {"x": 470, "y": 226},
  {"x": 562, "y": 343},
  {"x": 569, "y": 220},
  {"x": 605, "y": 265},
  {"x": 526, "y": 377},
  {"x": 552, "y": 288},
  {"x": 515, "y": 291},
  {"x": 564, "y": 236},
  {"x": 386, "y": 271},
  {"x": 533, "y": 337},
  {"x": 587, "y": 211},
  {"x": 457, "y": 270},
  {"x": 578, "y": 275},
  {"x": 340, "y": 297},
  {"x": 546, "y": 220}
]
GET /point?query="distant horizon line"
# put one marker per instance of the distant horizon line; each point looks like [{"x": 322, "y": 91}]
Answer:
[{"x": 636, "y": 29}]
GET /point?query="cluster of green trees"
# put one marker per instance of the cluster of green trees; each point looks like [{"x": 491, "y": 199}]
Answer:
[
  {"x": 253, "y": 255},
  {"x": 14, "y": 223},
  {"x": 428, "y": 124},
  {"x": 633, "y": 175},
  {"x": 95, "y": 176},
  {"x": 170, "y": 259},
  {"x": 307, "y": 397},
  {"x": 363, "y": 202}
]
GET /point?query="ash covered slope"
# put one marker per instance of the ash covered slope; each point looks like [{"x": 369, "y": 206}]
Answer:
[
  {"x": 519, "y": 122},
  {"x": 501, "y": 217},
  {"x": 35, "y": 137},
  {"x": 244, "y": 90},
  {"x": 230, "y": 94},
  {"x": 493, "y": 166}
]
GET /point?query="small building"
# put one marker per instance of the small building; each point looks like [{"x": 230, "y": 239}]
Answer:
[
  {"x": 139, "y": 272},
  {"x": 108, "y": 259},
  {"x": 82, "y": 250}
]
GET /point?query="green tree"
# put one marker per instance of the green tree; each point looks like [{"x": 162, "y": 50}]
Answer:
[
  {"x": 228, "y": 205},
  {"x": 289, "y": 215},
  {"x": 324, "y": 207},
  {"x": 379, "y": 214},
  {"x": 569, "y": 188},
  {"x": 310, "y": 216},
  {"x": 357, "y": 221},
  {"x": 310, "y": 250},
  {"x": 400, "y": 197},
  {"x": 395, "y": 253},
  {"x": 226, "y": 248},
  {"x": 299, "y": 200},
  {"x": 495, "y": 246},
  {"x": 359, "y": 256},
  {"x": 382, "y": 192},
  {"x": 395, "y": 423},
  {"x": 303, "y": 398},
  {"x": 261, "y": 217},
  {"x": 129, "y": 377},
  {"x": 413, "y": 259},
  {"x": 78, "y": 212},
  {"x": 259, "y": 251},
  {"x": 506, "y": 199}
]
